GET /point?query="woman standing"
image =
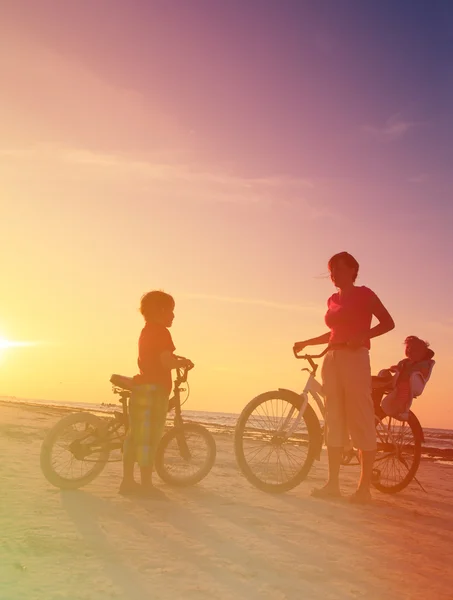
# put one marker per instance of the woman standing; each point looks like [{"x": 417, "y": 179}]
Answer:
[{"x": 346, "y": 373}]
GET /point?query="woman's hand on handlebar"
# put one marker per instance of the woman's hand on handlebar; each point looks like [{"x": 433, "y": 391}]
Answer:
[
  {"x": 321, "y": 339},
  {"x": 299, "y": 346}
]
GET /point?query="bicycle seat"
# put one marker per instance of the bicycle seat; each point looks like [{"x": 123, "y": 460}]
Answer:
[{"x": 123, "y": 382}]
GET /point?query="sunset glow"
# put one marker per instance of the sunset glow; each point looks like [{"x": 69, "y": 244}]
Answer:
[
  {"x": 5, "y": 344},
  {"x": 226, "y": 174}
]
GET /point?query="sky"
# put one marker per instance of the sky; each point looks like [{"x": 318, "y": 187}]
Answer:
[{"x": 222, "y": 152}]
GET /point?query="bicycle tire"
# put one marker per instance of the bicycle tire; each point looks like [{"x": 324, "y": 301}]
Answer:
[
  {"x": 164, "y": 460},
  {"x": 314, "y": 442},
  {"x": 48, "y": 445},
  {"x": 417, "y": 433}
]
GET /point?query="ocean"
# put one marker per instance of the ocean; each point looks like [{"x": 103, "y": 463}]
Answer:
[{"x": 438, "y": 442}]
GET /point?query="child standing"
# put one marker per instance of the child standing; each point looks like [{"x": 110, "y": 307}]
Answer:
[{"x": 148, "y": 405}]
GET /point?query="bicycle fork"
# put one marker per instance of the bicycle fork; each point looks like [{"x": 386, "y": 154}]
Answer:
[
  {"x": 289, "y": 418},
  {"x": 180, "y": 437}
]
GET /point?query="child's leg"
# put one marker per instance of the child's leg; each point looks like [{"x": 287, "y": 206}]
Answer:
[
  {"x": 398, "y": 401},
  {"x": 149, "y": 430},
  {"x": 146, "y": 474},
  {"x": 155, "y": 425},
  {"x": 128, "y": 469},
  {"x": 129, "y": 451},
  {"x": 128, "y": 484}
]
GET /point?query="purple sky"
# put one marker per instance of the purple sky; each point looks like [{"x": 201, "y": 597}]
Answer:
[{"x": 227, "y": 149}]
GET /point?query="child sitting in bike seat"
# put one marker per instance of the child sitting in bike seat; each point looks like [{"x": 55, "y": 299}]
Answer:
[
  {"x": 149, "y": 400},
  {"x": 406, "y": 380}
]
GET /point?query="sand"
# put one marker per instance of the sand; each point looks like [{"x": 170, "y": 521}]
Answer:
[{"x": 222, "y": 539}]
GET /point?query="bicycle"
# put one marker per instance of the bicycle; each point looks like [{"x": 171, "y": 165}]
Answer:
[
  {"x": 283, "y": 425},
  {"x": 185, "y": 455}
]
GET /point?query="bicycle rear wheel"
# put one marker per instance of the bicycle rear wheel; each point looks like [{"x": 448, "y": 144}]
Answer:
[
  {"x": 274, "y": 448},
  {"x": 399, "y": 449},
  {"x": 185, "y": 455},
  {"x": 74, "y": 451}
]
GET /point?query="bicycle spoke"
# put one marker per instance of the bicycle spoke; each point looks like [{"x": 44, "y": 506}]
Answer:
[
  {"x": 64, "y": 460},
  {"x": 179, "y": 465},
  {"x": 396, "y": 453},
  {"x": 274, "y": 441}
]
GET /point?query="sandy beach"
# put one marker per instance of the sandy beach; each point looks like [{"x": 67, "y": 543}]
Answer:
[{"x": 222, "y": 539}]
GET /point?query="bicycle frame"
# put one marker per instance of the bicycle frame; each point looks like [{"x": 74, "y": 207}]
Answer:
[
  {"x": 314, "y": 389},
  {"x": 112, "y": 438}
]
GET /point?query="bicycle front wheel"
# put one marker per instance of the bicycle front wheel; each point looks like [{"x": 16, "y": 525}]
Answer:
[
  {"x": 74, "y": 452},
  {"x": 399, "y": 449},
  {"x": 275, "y": 445},
  {"x": 185, "y": 455}
]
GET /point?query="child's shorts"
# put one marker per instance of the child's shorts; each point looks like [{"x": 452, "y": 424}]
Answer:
[{"x": 148, "y": 408}]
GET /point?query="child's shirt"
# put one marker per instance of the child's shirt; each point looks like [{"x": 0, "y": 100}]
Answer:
[
  {"x": 154, "y": 340},
  {"x": 406, "y": 367}
]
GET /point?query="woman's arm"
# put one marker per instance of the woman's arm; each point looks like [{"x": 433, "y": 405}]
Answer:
[
  {"x": 386, "y": 323},
  {"x": 321, "y": 339}
]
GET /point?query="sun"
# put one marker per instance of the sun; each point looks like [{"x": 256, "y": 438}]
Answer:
[
  {"x": 4, "y": 344},
  {"x": 7, "y": 345}
]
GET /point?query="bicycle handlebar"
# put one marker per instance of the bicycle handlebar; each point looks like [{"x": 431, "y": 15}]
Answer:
[
  {"x": 183, "y": 371},
  {"x": 335, "y": 346},
  {"x": 311, "y": 356},
  {"x": 184, "y": 358}
]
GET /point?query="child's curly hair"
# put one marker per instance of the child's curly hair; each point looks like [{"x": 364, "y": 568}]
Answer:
[
  {"x": 152, "y": 303},
  {"x": 414, "y": 338}
]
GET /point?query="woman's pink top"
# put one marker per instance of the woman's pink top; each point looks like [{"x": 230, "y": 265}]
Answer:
[{"x": 349, "y": 318}]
